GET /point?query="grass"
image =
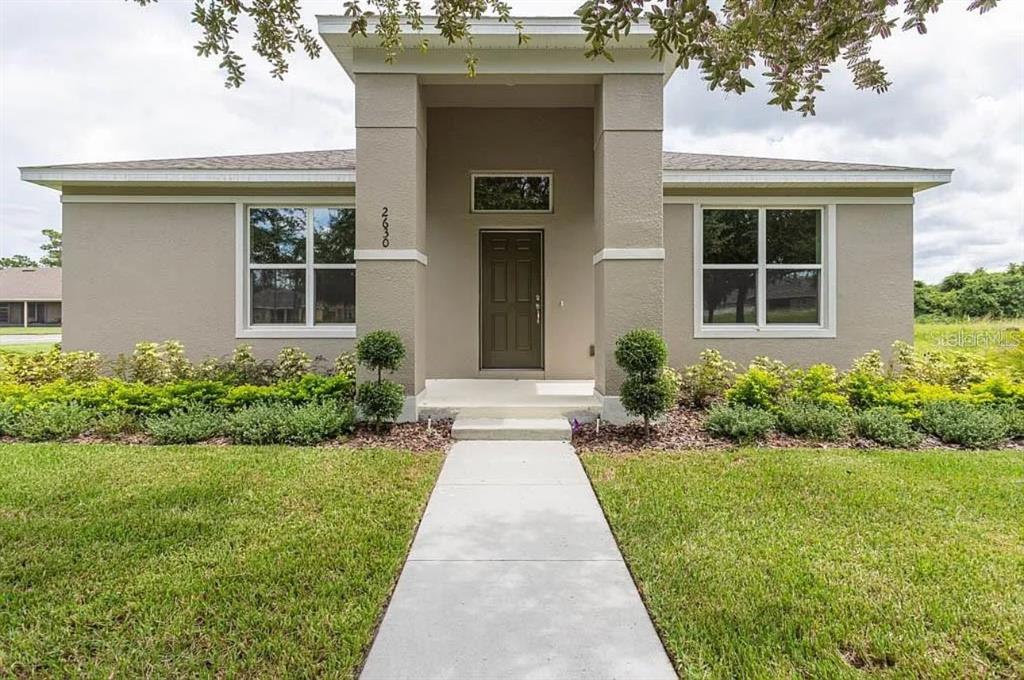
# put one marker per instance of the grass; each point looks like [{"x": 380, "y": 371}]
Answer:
[
  {"x": 28, "y": 348},
  {"x": 1002, "y": 341},
  {"x": 199, "y": 561},
  {"x": 813, "y": 563},
  {"x": 31, "y": 330}
]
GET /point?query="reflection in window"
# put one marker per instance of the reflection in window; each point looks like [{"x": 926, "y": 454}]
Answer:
[
  {"x": 511, "y": 193},
  {"x": 278, "y": 296},
  {"x": 794, "y": 236},
  {"x": 792, "y": 296},
  {"x": 283, "y": 281},
  {"x": 730, "y": 296},
  {"x": 730, "y": 237}
]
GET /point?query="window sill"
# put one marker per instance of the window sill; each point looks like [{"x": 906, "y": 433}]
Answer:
[
  {"x": 341, "y": 331},
  {"x": 768, "y": 333}
]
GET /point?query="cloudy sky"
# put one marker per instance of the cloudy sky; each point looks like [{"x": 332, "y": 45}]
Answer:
[{"x": 92, "y": 80}]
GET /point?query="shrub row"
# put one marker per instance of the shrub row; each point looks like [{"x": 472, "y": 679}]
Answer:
[{"x": 952, "y": 422}]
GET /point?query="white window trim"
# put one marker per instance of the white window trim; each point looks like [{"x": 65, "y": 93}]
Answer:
[
  {"x": 827, "y": 327},
  {"x": 243, "y": 328},
  {"x": 512, "y": 173}
]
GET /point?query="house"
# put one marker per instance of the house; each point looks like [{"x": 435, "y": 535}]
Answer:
[
  {"x": 30, "y": 297},
  {"x": 512, "y": 225}
]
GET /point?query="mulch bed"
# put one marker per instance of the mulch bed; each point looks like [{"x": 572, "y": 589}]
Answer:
[
  {"x": 403, "y": 436},
  {"x": 682, "y": 429}
]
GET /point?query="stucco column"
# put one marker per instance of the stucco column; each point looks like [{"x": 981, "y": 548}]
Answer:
[
  {"x": 24, "y": 315},
  {"x": 628, "y": 220},
  {"x": 390, "y": 216}
]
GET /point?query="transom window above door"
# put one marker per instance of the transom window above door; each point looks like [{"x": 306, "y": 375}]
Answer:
[
  {"x": 300, "y": 270},
  {"x": 763, "y": 271},
  {"x": 505, "y": 192}
]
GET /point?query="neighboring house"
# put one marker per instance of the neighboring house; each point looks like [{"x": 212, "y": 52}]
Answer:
[
  {"x": 30, "y": 297},
  {"x": 510, "y": 225}
]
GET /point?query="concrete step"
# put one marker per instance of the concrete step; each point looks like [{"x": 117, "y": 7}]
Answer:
[
  {"x": 583, "y": 412},
  {"x": 511, "y": 429}
]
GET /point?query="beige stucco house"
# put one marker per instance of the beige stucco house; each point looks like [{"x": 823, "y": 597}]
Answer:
[{"x": 512, "y": 225}]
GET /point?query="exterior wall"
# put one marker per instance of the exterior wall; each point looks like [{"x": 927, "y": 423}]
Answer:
[
  {"x": 874, "y": 290},
  {"x": 157, "y": 271},
  {"x": 628, "y": 215},
  {"x": 463, "y": 140}
]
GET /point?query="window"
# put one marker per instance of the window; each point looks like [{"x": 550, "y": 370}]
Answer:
[
  {"x": 510, "y": 192},
  {"x": 300, "y": 267},
  {"x": 762, "y": 271}
]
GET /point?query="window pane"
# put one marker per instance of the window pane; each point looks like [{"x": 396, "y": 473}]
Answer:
[
  {"x": 334, "y": 235},
  {"x": 335, "y": 296},
  {"x": 794, "y": 236},
  {"x": 730, "y": 237},
  {"x": 730, "y": 296},
  {"x": 531, "y": 192},
  {"x": 278, "y": 295},
  {"x": 793, "y": 296},
  {"x": 277, "y": 235}
]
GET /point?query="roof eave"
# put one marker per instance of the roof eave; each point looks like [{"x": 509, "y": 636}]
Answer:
[
  {"x": 56, "y": 177},
  {"x": 916, "y": 180}
]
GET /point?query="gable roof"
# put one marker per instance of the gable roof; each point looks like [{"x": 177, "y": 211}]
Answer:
[
  {"x": 334, "y": 166},
  {"x": 33, "y": 285}
]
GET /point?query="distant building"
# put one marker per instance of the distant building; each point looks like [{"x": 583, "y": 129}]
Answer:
[{"x": 30, "y": 297}]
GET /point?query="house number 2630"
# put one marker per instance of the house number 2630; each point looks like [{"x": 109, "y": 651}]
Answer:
[{"x": 386, "y": 240}]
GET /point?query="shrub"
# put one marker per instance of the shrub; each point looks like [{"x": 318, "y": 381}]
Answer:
[
  {"x": 818, "y": 384},
  {"x": 55, "y": 421},
  {"x": 758, "y": 387},
  {"x": 648, "y": 391},
  {"x": 380, "y": 351},
  {"x": 648, "y": 398},
  {"x": 316, "y": 422},
  {"x": 292, "y": 363},
  {"x": 176, "y": 362},
  {"x": 44, "y": 367},
  {"x": 887, "y": 426},
  {"x": 380, "y": 402},
  {"x": 958, "y": 370},
  {"x": 739, "y": 421},
  {"x": 193, "y": 423},
  {"x": 958, "y": 422},
  {"x": 867, "y": 384},
  {"x": 641, "y": 351},
  {"x": 288, "y": 424},
  {"x": 345, "y": 365},
  {"x": 8, "y": 416},
  {"x": 1000, "y": 389},
  {"x": 708, "y": 379},
  {"x": 814, "y": 420},
  {"x": 1013, "y": 419},
  {"x": 116, "y": 423},
  {"x": 244, "y": 369}
]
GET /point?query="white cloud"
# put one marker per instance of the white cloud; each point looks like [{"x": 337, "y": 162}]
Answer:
[{"x": 105, "y": 80}]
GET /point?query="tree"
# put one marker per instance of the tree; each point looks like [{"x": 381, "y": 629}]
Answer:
[
  {"x": 17, "y": 262},
  {"x": 796, "y": 41},
  {"x": 51, "y": 249}
]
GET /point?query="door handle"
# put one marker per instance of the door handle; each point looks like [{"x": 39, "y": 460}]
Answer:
[{"x": 537, "y": 305}]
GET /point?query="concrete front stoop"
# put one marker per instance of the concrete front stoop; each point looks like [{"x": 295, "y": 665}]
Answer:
[
  {"x": 512, "y": 429},
  {"x": 514, "y": 573}
]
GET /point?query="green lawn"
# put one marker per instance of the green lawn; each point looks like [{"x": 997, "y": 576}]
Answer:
[
  {"x": 31, "y": 330},
  {"x": 816, "y": 563},
  {"x": 199, "y": 561},
  {"x": 28, "y": 348},
  {"x": 1001, "y": 340}
]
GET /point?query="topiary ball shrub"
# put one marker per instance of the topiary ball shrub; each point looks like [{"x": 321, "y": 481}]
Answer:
[
  {"x": 641, "y": 351},
  {"x": 380, "y": 351},
  {"x": 814, "y": 421},
  {"x": 958, "y": 422},
  {"x": 648, "y": 398},
  {"x": 193, "y": 423},
  {"x": 886, "y": 426},
  {"x": 380, "y": 402},
  {"x": 740, "y": 422},
  {"x": 53, "y": 421}
]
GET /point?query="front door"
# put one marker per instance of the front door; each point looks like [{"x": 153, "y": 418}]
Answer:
[{"x": 512, "y": 299}]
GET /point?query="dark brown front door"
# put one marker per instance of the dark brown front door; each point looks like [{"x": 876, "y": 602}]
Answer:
[{"x": 511, "y": 299}]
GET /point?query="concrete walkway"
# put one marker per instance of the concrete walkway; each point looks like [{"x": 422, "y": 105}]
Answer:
[{"x": 514, "y": 573}]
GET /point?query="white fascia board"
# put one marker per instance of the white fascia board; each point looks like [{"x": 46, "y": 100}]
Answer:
[
  {"x": 918, "y": 179},
  {"x": 481, "y": 29},
  {"x": 57, "y": 177}
]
